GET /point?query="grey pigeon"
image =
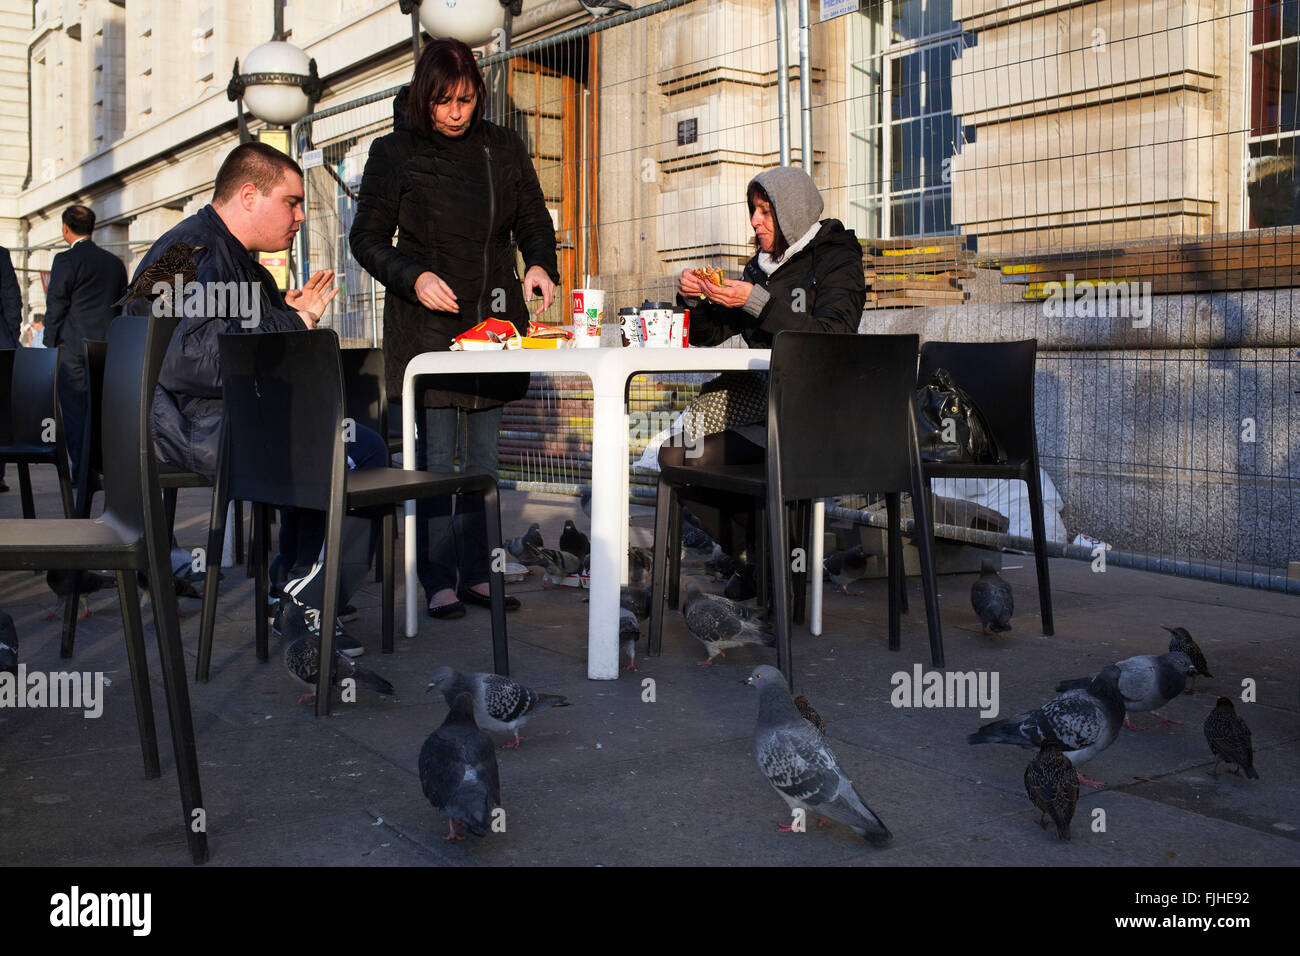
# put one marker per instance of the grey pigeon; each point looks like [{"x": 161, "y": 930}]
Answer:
[
  {"x": 1229, "y": 739},
  {"x": 722, "y": 566},
  {"x": 629, "y": 632},
  {"x": 847, "y": 566},
  {"x": 574, "y": 541},
  {"x": 604, "y": 8},
  {"x": 302, "y": 657},
  {"x": 698, "y": 544},
  {"x": 458, "y": 771},
  {"x": 8, "y": 645},
  {"x": 639, "y": 563},
  {"x": 558, "y": 565},
  {"x": 636, "y": 600},
  {"x": 795, "y": 759},
  {"x": 64, "y": 582},
  {"x": 1051, "y": 783},
  {"x": 500, "y": 704},
  {"x": 1182, "y": 641},
  {"x": 719, "y": 623},
  {"x": 1146, "y": 682},
  {"x": 992, "y": 600},
  {"x": 1086, "y": 721},
  {"x": 525, "y": 547}
]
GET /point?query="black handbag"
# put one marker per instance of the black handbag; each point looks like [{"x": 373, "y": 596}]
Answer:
[{"x": 949, "y": 426}]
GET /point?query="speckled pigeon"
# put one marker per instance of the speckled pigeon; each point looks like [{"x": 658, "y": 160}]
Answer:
[
  {"x": 525, "y": 547},
  {"x": 629, "y": 632},
  {"x": 1051, "y": 783},
  {"x": 795, "y": 759},
  {"x": 302, "y": 657},
  {"x": 847, "y": 566},
  {"x": 1182, "y": 641},
  {"x": 500, "y": 704},
  {"x": 558, "y": 564},
  {"x": 458, "y": 771},
  {"x": 992, "y": 600},
  {"x": 8, "y": 644},
  {"x": 1085, "y": 720},
  {"x": 719, "y": 623},
  {"x": 1146, "y": 682},
  {"x": 1229, "y": 739}
]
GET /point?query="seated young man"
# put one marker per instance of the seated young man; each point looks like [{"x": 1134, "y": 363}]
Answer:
[{"x": 256, "y": 207}]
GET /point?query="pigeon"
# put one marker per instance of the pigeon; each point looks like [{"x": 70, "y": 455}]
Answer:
[
  {"x": 302, "y": 658},
  {"x": 63, "y": 582},
  {"x": 698, "y": 544},
  {"x": 1052, "y": 785},
  {"x": 743, "y": 584},
  {"x": 1085, "y": 719},
  {"x": 525, "y": 547},
  {"x": 574, "y": 541},
  {"x": 719, "y": 623},
  {"x": 846, "y": 566},
  {"x": 722, "y": 566},
  {"x": 807, "y": 713},
  {"x": 558, "y": 565},
  {"x": 794, "y": 758},
  {"x": 636, "y": 600},
  {"x": 1182, "y": 641},
  {"x": 1146, "y": 682},
  {"x": 639, "y": 563},
  {"x": 604, "y": 8},
  {"x": 992, "y": 600},
  {"x": 177, "y": 259},
  {"x": 629, "y": 632},
  {"x": 8, "y": 645},
  {"x": 500, "y": 704},
  {"x": 458, "y": 771},
  {"x": 1229, "y": 739}
]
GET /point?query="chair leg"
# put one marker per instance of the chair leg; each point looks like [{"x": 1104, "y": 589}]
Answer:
[
  {"x": 169, "y": 509},
  {"x": 1040, "y": 548},
  {"x": 896, "y": 587},
  {"x": 763, "y": 563},
  {"x": 780, "y": 578},
  {"x": 211, "y": 574},
  {"x": 659, "y": 567},
  {"x": 674, "y": 574},
  {"x": 73, "y": 601},
  {"x": 385, "y": 561},
  {"x": 129, "y": 598},
  {"x": 496, "y": 581},
  {"x": 261, "y": 586},
  {"x": 65, "y": 485},
  {"x": 924, "y": 537},
  {"x": 802, "y": 520},
  {"x": 25, "y": 489},
  {"x": 329, "y": 613}
]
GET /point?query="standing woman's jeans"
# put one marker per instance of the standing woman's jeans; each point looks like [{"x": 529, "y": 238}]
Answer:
[{"x": 451, "y": 532}]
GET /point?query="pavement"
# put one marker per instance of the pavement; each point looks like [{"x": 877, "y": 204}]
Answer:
[{"x": 657, "y": 767}]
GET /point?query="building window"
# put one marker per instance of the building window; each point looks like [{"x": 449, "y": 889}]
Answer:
[
  {"x": 901, "y": 128},
  {"x": 1272, "y": 187}
]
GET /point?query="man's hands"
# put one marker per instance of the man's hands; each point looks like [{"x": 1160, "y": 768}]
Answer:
[
  {"x": 312, "y": 299},
  {"x": 435, "y": 294},
  {"x": 688, "y": 283},
  {"x": 536, "y": 280}
]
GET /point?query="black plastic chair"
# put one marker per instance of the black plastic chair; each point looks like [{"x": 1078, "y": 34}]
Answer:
[
  {"x": 839, "y": 422},
  {"x": 366, "y": 402},
  {"x": 6, "y": 395},
  {"x": 128, "y": 538},
  {"x": 284, "y": 390},
  {"x": 34, "y": 415},
  {"x": 999, "y": 377}
]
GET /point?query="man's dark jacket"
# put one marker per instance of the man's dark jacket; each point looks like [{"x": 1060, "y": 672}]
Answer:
[
  {"x": 187, "y": 405},
  {"x": 11, "y": 302},
  {"x": 458, "y": 206},
  {"x": 85, "y": 281}
]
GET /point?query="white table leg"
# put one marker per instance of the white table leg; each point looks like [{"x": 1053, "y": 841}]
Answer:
[
  {"x": 608, "y": 519},
  {"x": 626, "y": 509},
  {"x": 815, "y": 566},
  {"x": 408, "y": 540}
]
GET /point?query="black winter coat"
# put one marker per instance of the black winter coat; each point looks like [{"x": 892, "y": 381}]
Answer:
[
  {"x": 458, "y": 207},
  {"x": 825, "y": 278}
]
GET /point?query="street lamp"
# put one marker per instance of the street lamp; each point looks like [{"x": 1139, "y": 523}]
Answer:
[
  {"x": 279, "y": 82},
  {"x": 473, "y": 22}
]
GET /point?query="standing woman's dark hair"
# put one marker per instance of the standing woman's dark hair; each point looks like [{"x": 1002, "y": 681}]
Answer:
[
  {"x": 779, "y": 243},
  {"x": 443, "y": 67}
]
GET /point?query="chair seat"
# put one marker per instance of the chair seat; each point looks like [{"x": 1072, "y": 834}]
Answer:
[
  {"x": 380, "y": 486},
  {"x": 1014, "y": 468},
  {"x": 171, "y": 477},
  {"x": 56, "y": 543},
  {"x": 31, "y": 453},
  {"x": 741, "y": 479}
]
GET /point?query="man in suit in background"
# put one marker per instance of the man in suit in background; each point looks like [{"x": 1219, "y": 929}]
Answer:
[
  {"x": 11, "y": 317},
  {"x": 85, "y": 281}
]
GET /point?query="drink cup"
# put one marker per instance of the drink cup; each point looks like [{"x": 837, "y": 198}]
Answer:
[
  {"x": 657, "y": 319},
  {"x": 588, "y": 314},
  {"x": 629, "y": 328}
]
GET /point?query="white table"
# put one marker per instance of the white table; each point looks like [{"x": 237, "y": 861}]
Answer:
[{"x": 610, "y": 370}]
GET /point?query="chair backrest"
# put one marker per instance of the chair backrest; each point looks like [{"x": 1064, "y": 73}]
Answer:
[
  {"x": 999, "y": 377},
  {"x": 92, "y": 458},
  {"x": 6, "y": 396},
  {"x": 364, "y": 390},
  {"x": 840, "y": 406},
  {"x": 35, "y": 397},
  {"x": 135, "y": 349},
  {"x": 282, "y": 398}
]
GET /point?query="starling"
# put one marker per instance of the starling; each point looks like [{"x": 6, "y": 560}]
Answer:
[
  {"x": 810, "y": 715},
  {"x": 177, "y": 259},
  {"x": 1229, "y": 739},
  {"x": 1182, "y": 641},
  {"x": 1052, "y": 784}
]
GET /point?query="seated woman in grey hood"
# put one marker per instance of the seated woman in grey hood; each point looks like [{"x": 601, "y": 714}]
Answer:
[{"x": 807, "y": 275}]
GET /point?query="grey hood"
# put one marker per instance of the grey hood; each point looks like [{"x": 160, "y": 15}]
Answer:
[{"x": 795, "y": 199}]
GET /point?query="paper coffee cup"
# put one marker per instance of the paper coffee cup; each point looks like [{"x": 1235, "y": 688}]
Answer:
[
  {"x": 588, "y": 314},
  {"x": 629, "y": 328},
  {"x": 657, "y": 319}
]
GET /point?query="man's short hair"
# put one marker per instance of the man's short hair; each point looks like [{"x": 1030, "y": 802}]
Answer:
[
  {"x": 79, "y": 220},
  {"x": 257, "y": 163}
]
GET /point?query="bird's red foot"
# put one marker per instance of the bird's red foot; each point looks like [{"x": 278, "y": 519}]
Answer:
[
  {"x": 1132, "y": 726},
  {"x": 307, "y": 699},
  {"x": 822, "y": 822},
  {"x": 513, "y": 746},
  {"x": 786, "y": 828},
  {"x": 452, "y": 834},
  {"x": 52, "y": 616},
  {"x": 1088, "y": 783},
  {"x": 1168, "y": 720},
  {"x": 630, "y": 667}
]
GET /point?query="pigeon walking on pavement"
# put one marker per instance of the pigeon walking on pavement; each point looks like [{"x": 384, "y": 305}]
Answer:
[
  {"x": 302, "y": 658},
  {"x": 992, "y": 600},
  {"x": 720, "y": 623},
  {"x": 1146, "y": 682},
  {"x": 847, "y": 566},
  {"x": 1182, "y": 641},
  {"x": 458, "y": 771},
  {"x": 574, "y": 541},
  {"x": 8, "y": 645},
  {"x": 1229, "y": 739},
  {"x": 1051, "y": 783},
  {"x": 629, "y": 632},
  {"x": 796, "y": 761},
  {"x": 64, "y": 582},
  {"x": 525, "y": 547},
  {"x": 557, "y": 565},
  {"x": 1086, "y": 720},
  {"x": 501, "y": 705}
]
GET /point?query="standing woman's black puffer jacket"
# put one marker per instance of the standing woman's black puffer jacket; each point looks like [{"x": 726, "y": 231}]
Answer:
[{"x": 458, "y": 207}]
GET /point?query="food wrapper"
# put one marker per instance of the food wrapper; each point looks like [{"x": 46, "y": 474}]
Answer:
[
  {"x": 542, "y": 336},
  {"x": 488, "y": 334}
]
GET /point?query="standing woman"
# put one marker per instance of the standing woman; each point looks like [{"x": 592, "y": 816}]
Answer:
[{"x": 461, "y": 195}]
